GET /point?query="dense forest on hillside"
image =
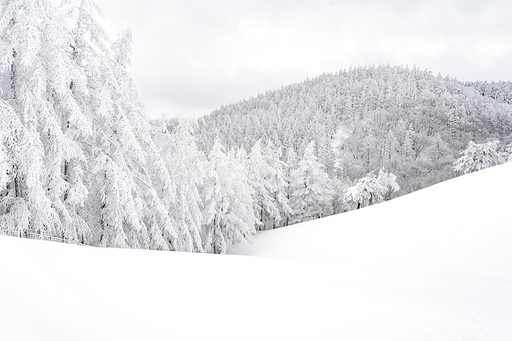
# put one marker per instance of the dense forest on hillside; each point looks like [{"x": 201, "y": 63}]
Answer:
[
  {"x": 411, "y": 122},
  {"x": 500, "y": 91}
]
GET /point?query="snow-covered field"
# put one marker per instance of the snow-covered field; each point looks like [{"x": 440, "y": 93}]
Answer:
[{"x": 433, "y": 265}]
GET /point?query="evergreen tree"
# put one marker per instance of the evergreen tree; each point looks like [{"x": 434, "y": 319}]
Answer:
[
  {"x": 15, "y": 215},
  {"x": 339, "y": 187},
  {"x": 36, "y": 76},
  {"x": 279, "y": 186},
  {"x": 407, "y": 146},
  {"x": 259, "y": 174},
  {"x": 290, "y": 163},
  {"x": 82, "y": 154},
  {"x": 391, "y": 151},
  {"x": 228, "y": 206},
  {"x": 311, "y": 188},
  {"x": 439, "y": 153},
  {"x": 183, "y": 199}
]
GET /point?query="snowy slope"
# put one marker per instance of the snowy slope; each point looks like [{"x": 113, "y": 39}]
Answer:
[
  {"x": 433, "y": 265},
  {"x": 461, "y": 226}
]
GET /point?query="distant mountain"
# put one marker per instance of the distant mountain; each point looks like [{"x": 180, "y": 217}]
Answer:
[{"x": 409, "y": 121}]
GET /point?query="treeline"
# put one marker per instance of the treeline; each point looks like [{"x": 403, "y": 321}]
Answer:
[
  {"x": 229, "y": 194},
  {"x": 235, "y": 192},
  {"x": 500, "y": 91}
]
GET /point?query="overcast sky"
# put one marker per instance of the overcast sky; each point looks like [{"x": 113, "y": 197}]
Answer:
[{"x": 190, "y": 57}]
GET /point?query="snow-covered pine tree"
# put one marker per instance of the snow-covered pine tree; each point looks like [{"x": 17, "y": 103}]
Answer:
[
  {"x": 114, "y": 153},
  {"x": 339, "y": 186},
  {"x": 311, "y": 188},
  {"x": 407, "y": 146},
  {"x": 259, "y": 175},
  {"x": 6, "y": 133},
  {"x": 439, "y": 153},
  {"x": 228, "y": 207},
  {"x": 478, "y": 156},
  {"x": 291, "y": 160},
  {"x": 15, "y": 215},
  {"x": 83, "y": 162},
  {"x": 121, "y": 153},
  {"x": 279, "y": 184},
  {"x": 36, "y": 75},
  {"x": 391, "y": 151},
  {"x": 187, "y": 163}
]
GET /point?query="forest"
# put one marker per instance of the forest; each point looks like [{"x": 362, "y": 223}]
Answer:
[
  {"x": 410, "y": 122},
  {"x": 80, "y": 160}
]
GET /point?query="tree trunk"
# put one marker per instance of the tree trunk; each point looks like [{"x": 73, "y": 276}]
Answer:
[{"x": 17, "y": 187}]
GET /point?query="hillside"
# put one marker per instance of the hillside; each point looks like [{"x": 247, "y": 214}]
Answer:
[
  {"x": 433, "y": 265},
  {"x": 409, "y": 121}
]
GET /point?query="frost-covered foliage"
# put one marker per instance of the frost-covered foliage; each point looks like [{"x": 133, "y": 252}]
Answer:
[
  {"x": 509, "y": 151},
  {"x": 366, "y": 192},
  {"x": 259, "y": 176},
  {"x": 77, "y": 159},
  {"x": 181, "y": 189},
  {"x": 410, "y": 121},
  {"x": 228, "y": 204},
  {"x": 500, "y": 91},
  {"x": 46, "y": 188},
  {"x": 279, "y": 187},
  {"x": 478, "y": 156},
  {"x": 311, "y": 188},
  {"x": 388, "y": 181}
]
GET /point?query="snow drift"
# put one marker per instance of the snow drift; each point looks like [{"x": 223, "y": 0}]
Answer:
[{"x": 432, "y": 265}]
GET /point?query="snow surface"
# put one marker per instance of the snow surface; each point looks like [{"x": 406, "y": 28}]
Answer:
[{"x": 432, "y": 265}]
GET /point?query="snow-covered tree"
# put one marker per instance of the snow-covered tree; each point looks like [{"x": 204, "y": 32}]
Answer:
[
  {"x": 388, "y": 181},
  {"x": 277, "y": 178},
  {"x": 182, "y": 197},
  {"x": 339, "y": 187},
  {"x": 407, "y": 146},
  {"x": 509, "y": 151},
  {"x": 366, "y": 192},
  {"x": 124, "y": 158},
  {"x": 260, "y": 177},
  {"x": 228, "y": 206},
  {"x": 439, "y": 153},
  {"x": 311, "y": 188},
  {"x": 391, "y": 150},
  {"x": 82, "y": 159},
  {"x": 478, "y": 156},
  {"x": 15, "y": 215},
  {"x": 5, "y": 131},
  {"x": 291, "y": 160},
  {"x": 37, "y": 75}
]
